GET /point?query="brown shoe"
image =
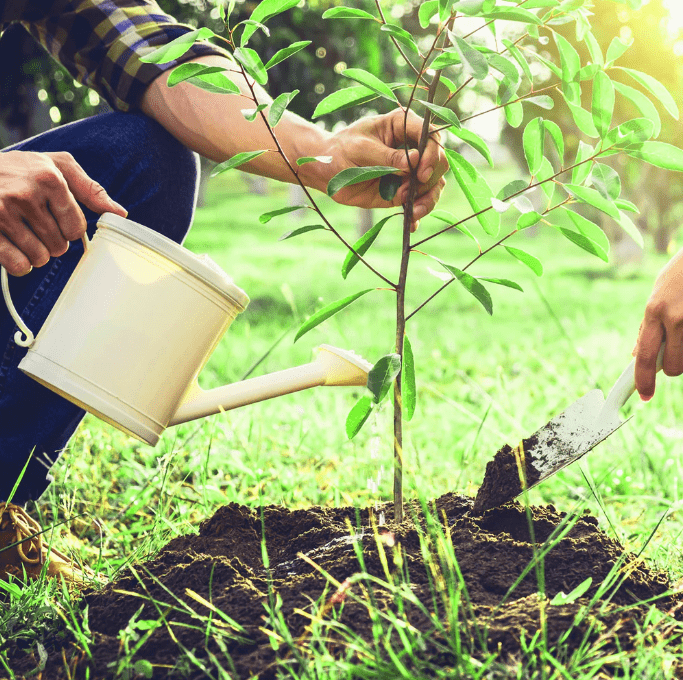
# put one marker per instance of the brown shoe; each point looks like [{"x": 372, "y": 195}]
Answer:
[{"x": 22, "y": 549}]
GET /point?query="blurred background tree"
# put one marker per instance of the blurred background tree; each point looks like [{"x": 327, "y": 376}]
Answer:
[{"x": 36, "y": 93}]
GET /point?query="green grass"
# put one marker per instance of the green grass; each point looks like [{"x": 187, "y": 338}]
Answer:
[{"x": 482, "y": 382}]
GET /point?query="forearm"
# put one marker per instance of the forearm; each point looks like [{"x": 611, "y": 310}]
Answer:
[{"x": 213, "y": 125}]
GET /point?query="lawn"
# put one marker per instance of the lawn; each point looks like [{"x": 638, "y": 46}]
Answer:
[{"x": 482, "y": 382}]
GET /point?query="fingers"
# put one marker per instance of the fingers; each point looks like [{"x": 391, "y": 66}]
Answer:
[
  {"x": 13, "y": 259},
  {"x": 408, "y": 130},
  {"x": 83, "y": 189},
  {"x": 649, "y": 342},
  {"x": 39, "y": 210}
]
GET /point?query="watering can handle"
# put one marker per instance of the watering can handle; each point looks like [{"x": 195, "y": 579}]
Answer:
[{"x": 27, "y": 339}]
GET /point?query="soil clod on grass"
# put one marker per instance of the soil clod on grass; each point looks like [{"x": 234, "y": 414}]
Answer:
[{"x": 211, "y": 595}]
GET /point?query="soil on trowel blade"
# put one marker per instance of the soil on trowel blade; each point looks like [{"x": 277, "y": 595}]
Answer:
[
  {"x": 222, "y": 568},
  {"x": 507, "y": 475}
]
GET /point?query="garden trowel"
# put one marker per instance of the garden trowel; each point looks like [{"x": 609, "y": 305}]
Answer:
[{"x": 565, "y": 439}]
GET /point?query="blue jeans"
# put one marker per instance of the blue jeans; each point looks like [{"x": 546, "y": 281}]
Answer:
[{"x": 154, "y": 177}]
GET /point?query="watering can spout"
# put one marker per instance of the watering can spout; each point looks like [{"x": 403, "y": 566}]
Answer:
[{"x": 332, "y": 367}]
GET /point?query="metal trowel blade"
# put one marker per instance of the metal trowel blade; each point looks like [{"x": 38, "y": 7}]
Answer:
[{"x": 568, "y": 437}]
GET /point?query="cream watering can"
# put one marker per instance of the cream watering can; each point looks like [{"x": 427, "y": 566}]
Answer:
[{"x": 136, "y": 323}]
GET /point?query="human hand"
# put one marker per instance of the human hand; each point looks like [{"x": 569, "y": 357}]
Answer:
[
  {"x": 663, "y": 320},
  {"x": 39, "y": 213},
  {"x": 374, "y": 141}
]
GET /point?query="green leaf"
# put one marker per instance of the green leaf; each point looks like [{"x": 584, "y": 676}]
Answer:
[
  {"x": 616, "y": 49},
  {"x": 626, "y": 223},
  {"x": 402, "y": 36},
  {"x": 533, "y": 141},
  {"x": 373, "y": 82},
  {"x": 632, "y": 132},
  {"x": 472, "y": 285},
  {"x": 585, "y": 243},
  {"x": 447, "y": 58},
  {"x": 237, "y": 160},
  {"x": 571, "y": 65},
  {"x": 553, "y": 68},
  {"x": 503, "y": 282},
  {"x": 279, "y": 106},
  {"x": 301, "y": 230},
  {"x": 562, "y": 599},
  {"x": 328, "y": 311},
  {"x": 589, "y": 229},
  {"x": 594, "y": 50},
  {"x": 655, "y": 87},
  {"x": 643, "y": 104},
  {"x": 286, "y": 52},
  {"x": 362, "y": 245},
  {"x": 382, "y": 375},
  {"x": 264, "y": 11},
  {"x": 443, "y": 113},
  {"x": 388, "y": 186},
  {"x": 358, "y": 415},
  {"x": 512, "y": 188},
  {"x": 250, "y": 114},
  {"x": 176, "y": 48},
  {"x": 473, "y": 60},
  {"x": 218, "y": 83},
  {"x": 592, "y": 197},
  {"x": 623, "y": 204},
  {"x": 426, "y": 11},
  {"x": 513, "y": 14},
  {"x": 659, "y": 154},
  {"x": 583, "y": 119},
  {"x": 606, "y": 181},
  {"x": 476, "y": 190},
  {"x": 344, "y": 99},
  {"x": 603, "y": 103},
  {"x": 144, "y": 668},
  {"x": 251, "y": 62},
  {"x": 313, "y": 159},
  {"x": 267, "y": 217},
  {"x": 527, "y": 220},
  {"x": 408, "y": 388},
  {"x": 582, "y": 166},
  {"x": 519, "y": 58},
  {"x": 553, "y": 129},
  {"x": 544, "y": 175},
  {"x": 589, "y": 72},
  {"x": 251, "y": 23},
  {"x": 347, "y": 13},
  {"x": 350, "y": 176},
  {"x": 514, "y": 114},
  {"x": 529, "y": 260},
  {"x": 450, "y": 219},
  {"x": 542, "y": 100},
  {"x": 474, "y": 140},
  {"x": 190, "y": 69}
]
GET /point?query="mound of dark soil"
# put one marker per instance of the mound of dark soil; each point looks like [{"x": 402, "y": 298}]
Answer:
[{"x": 223, "y": 568}]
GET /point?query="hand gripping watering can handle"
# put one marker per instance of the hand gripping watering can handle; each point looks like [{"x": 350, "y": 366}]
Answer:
[{"x": 27, "y": 339}]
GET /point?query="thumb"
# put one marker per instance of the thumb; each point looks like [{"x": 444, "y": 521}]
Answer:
[
  {"x": 85, "y": 189},
  {"x": 394, "y": 158}
]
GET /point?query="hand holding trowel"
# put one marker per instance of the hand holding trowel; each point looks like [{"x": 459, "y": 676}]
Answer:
[{"x": 566, "y": 438}]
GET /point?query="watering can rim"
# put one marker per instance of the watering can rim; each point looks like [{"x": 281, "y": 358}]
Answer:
[{"x": 200, "y": 266}]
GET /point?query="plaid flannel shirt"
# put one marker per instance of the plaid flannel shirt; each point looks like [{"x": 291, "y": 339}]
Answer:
[{"x": 100, "y": 42}]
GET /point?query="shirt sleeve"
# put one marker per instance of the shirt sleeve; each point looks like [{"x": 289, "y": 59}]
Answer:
[{"x": 100, "y": 43}]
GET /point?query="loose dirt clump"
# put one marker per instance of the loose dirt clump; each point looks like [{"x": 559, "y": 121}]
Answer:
[
  {"x": 222, "y": 570},
  {"x": 507, "y": 475}
]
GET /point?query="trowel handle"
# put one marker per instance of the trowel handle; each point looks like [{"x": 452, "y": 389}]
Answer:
[
  {"x": 27, "y": 339},
  {"x": 625, "y": 386}
]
